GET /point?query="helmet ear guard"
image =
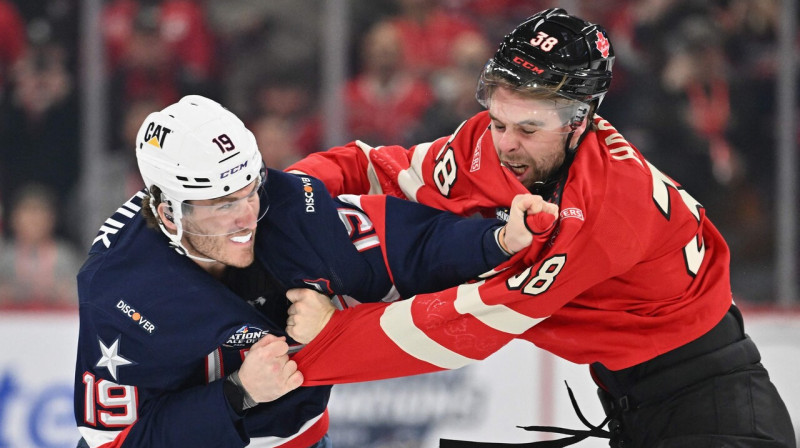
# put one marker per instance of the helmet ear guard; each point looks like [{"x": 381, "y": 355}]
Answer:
[{"x": 579, "y": 117}]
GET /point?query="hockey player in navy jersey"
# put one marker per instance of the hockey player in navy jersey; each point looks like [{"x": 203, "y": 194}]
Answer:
[{"x": 182, "y": 339}]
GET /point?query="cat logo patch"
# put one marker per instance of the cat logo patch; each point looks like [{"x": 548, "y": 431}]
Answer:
[{"x": 156, "y": 135}]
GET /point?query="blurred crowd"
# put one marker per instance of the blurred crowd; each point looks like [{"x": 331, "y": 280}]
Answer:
[{"x": 694, "y": 90}]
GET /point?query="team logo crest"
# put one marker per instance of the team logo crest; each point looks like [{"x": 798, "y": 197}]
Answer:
[
  {"x": 602, "y": 45},
  {"x": 245, "y": 336}
]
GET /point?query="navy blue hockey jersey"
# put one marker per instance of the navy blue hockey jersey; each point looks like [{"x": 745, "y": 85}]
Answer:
[{"x": 158, "y": 334}]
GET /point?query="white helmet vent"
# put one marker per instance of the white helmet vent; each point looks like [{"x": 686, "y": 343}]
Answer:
[{"x": 200, "y": 182}]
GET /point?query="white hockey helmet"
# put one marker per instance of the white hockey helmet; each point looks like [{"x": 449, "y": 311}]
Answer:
[{"x": 194, "y": 150}]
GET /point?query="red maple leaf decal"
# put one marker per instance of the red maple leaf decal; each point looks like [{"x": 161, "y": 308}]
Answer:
[{"x": 602, "y": 44}]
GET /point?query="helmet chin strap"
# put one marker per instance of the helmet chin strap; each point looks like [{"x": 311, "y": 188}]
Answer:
[
  {"x": 175, "y": 242},
  {"x": 175, "y": 239}
]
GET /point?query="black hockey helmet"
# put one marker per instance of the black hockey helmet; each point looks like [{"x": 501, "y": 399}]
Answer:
[{"x": 555, "y": 51}]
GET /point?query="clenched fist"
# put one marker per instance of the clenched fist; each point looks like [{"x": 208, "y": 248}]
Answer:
[
  {"x": 267, "y": 373},
  {"x": 528, "y": 213},
  {"x": 309, "y": 313}
]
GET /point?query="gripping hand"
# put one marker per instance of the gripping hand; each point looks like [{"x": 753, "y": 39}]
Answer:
[{"x": 529, "y": 215}]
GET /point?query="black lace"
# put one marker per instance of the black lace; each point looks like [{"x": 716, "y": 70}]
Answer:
[{"x": 576, "y": 435}]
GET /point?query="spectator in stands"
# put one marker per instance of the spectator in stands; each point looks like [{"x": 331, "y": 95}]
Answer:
[
  {"x": 121, "y": 169},
  {"x": 280, "y": 105},
  {"x": 453, "y": 87},
  {"x": 427, "y": 32},
  {"x": 276, "y": 141},
  {"x": 41, "y": 132},
  {"x": 13, "y": 45},
  {"x": 496, "y": 17},
  {"x": 12, "y": 48},
  {"x": 750, "y": 29},
  {"x": 2, "y": 221},
  {"x": 180, "y": 26},
  {"x": 37, "y": 269},
  {"x": 705, "y": 122},
  {"x": 159, "y": 49},
  {"x": 258, "y": 39},
  {"x": 12, "y": 41},
  {"x": 384, "y": 100}
]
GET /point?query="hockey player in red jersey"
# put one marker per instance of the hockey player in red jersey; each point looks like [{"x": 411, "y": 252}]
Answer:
[{"x": 633, "y": 280}]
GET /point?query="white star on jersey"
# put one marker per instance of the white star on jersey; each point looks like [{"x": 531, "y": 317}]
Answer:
[{"x": 111, "y": 358}]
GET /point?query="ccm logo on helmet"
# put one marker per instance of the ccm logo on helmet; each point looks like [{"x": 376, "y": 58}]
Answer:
[
  {"x": 156, "y": 135},
  {"x": 233, "y": 170},
  {"x": 525, "y": 64}
]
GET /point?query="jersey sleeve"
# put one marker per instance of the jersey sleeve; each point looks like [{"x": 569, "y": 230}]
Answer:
[
  {"x": 460, "y": 173},
  {"x": 385, "y": 247},
  {"x": 343, "y": 169},
  {"x": 425, "y": 249},
  {"x": 429, "y": 332}
]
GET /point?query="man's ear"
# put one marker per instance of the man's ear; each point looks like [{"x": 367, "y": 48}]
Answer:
[
  {"x": 579, "y": 130},
  {"x": 165, "y": 216}
]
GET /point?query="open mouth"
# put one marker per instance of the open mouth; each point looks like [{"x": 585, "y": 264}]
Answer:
[
  {"x": 241, "y": 239},
  {"x": 516, "y": 168}
]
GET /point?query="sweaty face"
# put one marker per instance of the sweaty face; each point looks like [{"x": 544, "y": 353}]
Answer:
[
  {"x": 528, "y": 134},
  {"x": 224, "y": 229}
]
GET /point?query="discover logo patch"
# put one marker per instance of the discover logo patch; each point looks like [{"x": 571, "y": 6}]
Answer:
[{"x": 143, "y": 322}]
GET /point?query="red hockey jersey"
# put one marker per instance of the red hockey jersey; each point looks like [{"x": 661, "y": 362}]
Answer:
[{"x": 632, "y": 269}]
